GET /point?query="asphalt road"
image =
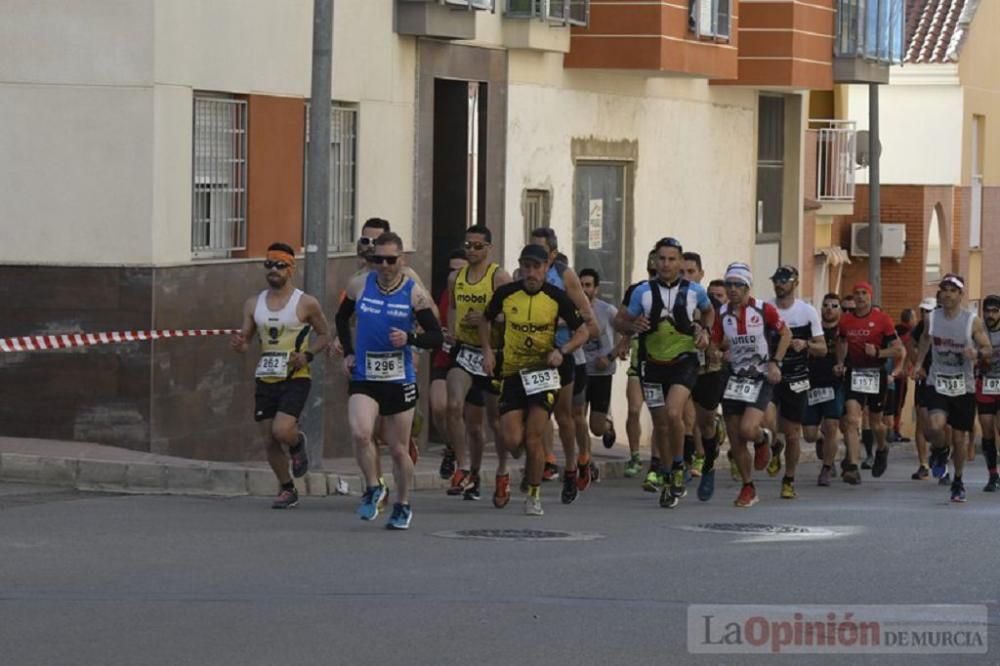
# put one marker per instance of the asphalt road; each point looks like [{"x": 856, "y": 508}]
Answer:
[{"x": 104, "y": 579}]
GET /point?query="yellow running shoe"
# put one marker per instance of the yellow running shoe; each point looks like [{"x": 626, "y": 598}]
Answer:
[
  {"x": 734, "y": 469},
  {"x": 696, "y": 465},
  {"x": 787, "y": 490}
]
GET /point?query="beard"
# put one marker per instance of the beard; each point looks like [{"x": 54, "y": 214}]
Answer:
[{"x": 276, "y": 281}]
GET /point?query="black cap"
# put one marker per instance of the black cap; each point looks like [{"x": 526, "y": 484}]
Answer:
[
  {"x": 786, "y": 272},
  {"x": 534, "y": 252},
  {"x": 991, "y": 301}
]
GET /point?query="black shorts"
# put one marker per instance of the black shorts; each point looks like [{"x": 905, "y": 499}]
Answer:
[
  {"x": 922, "y": 394},
  {"x": 961, "y": 409},
  {"x": 567, "y": 371},
  {"x": 392, "y": 397},
  {"x": 580, "y": 380},
  {"x": 987, "y": 408},
  {"x": 599, "y": 393},
  {"x": 513, "y": 397},
  {"x": 288, "y": 397},
  {"x": 737, "y": 407},
  {"x": 891, "y": 402},
  {"x": 875, "y": 402},
  {"x": 831, "y": 410},
  {"x": 438, "y": 374},
  {"x": 682, "y": 372},
  {"x": 479, "y": 382},
  {"x": 707, "y": 392},
  {"x": 791, "y": 406}
]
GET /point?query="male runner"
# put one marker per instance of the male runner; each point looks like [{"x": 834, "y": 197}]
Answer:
[
  {"x": 283, "y": 316},
  {"x": 573, "y": 373},
  {"x": 531, "y": 308},
  {"x": 673, "y": 318},
  {"x": 472, "y": 289},
  {"x": 441, "y": 360},
  {"x": 958, "y": 340},
  {"x": 867, "y": 338},
  {"x": 988, "y": 391},
  {"x": 382, "y": 378},
  {"x": 825, "y": 399},
  {"x": 788, "y": 403},
  {"x": 601, "y": 355},
  {"x": 745, "y": 328},
  {"x": 920, "y": 399}
]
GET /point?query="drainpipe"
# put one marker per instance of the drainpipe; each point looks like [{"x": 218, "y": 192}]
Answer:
[{"x": 874, "y": 221}]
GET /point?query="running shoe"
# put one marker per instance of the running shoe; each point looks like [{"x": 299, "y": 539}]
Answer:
[
  {"x": 400, "y": 518},
  {"x": 945, "y": 480},
  {"x": 501, "y": 495},
  {"x": 697, "y": 465},
  {"x": 609, "y": 438},
  {"x": 667, "y": 499},
  {"x": 881, "y": 462},
  {"x": 533, "y": 506},
  {"x": 939, "y": 462},
  {"x": 787, "y": 489},
  {"x": 677, "y": 483},
  {"x": 595, "y": 472},
  {"x": 993, "y": 484},
  {"x": 371, "y": 502},
  {"x": 460, "y": 481},
  {"x": 761, "y": 456},
  {"x": 774, "y": 465},
  {"x": 824, "y": 476},
  {"x": 654, "y": 481},
  {"x": 747, "y": 497},
  {"x": 384, "y": 502},
  {"x": 867, "y": 462},
  {"x": 901, "y": 438},
  {"x": 447, "y": 463},
  {"x": 633, "y": 466},
  {"x": 921, "y": 473},
  {"x": 413, "y": 451},
  {"x": 852, "y": 476},
  {"x": 300, "y": 460},
  {"x": 706, "y": 487},
  {"x": 734, "y": 468},
  {"x": 569, "y": 489},
  {"x": 957, "y": 491},
  {"x": 550, "y": 472},
  {"x": 472, "y": 489},
  {"x": 582, "y": 477},
  {"x": 286, "y": 499}
]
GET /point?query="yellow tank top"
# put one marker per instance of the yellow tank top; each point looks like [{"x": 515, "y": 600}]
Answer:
[
  {"x": 471, "y": 297},
  {"x": 280, "y": 333}
]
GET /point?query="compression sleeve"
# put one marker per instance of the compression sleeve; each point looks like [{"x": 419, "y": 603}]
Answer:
[
  {"x": 343, "y": 322},
  {"x": 432, "y": 337}
]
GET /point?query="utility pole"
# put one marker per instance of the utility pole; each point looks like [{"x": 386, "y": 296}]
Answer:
[
  {"x": 874, "y": 202},
  {"x": 318, "y": 209}
]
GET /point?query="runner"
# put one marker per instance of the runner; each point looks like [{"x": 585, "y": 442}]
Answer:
[
  {"x": 573, "y": 373},
  {"x": 867, "y": 338},
  {"x": 531, "y": 308},
  {"x": 283, "y": 318},
  {"x": 601, "y": 355},
  {"x": 439, "y": 370},
  {"x": 745, "y": 328},
  {"x": 903, "y": 329},
  {"x": 958, "y": 340},
  {"x": 633, "y": 395},
  {"x": 472, "y": 289},
  {"x": 988, "y": 391},
  {"x": 825, "y": 399},
  {"x": 694, "y": 452},
  {"x": 382, "y": 377},
  {"x": 673, "y": 318}
]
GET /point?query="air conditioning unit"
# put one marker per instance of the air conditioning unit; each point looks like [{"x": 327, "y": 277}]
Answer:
[{"x": 893, "y": 240}]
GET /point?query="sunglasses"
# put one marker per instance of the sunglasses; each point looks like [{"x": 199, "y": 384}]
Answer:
[
  {"x": 991, "y": 309},
  {"x": 782, "y": 280},
  {"x": 733, "y": 285},
  {"x": 365, "y": 241},
  {"x": 379, "y": 259},
  {"x": 280, "y": 265},
  {"x": 832, "y": 306},
  {"x": 475, "y": 245}
]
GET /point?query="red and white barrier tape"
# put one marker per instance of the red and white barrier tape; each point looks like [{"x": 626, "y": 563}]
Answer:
[{"x": 65, "y": 341}]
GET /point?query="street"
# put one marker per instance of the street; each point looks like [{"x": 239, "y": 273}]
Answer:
[{"x": 118, "y": 579}]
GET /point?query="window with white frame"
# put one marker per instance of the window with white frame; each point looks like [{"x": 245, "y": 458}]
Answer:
[
  {"x": 976, "y": 207},
  {"x": 537, "y": 210},
  {"x": 343, "y": 176},
  {"x": 219, "y": 176},
  {"x": 566, "y": 12},
  {"x": 711, "y": 19},
  {"x": 471, "y": 4}
]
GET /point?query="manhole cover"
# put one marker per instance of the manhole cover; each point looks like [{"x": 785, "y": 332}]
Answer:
[
  {"x": 519, "y": 535},
  {"x": 771, "y": 532}
]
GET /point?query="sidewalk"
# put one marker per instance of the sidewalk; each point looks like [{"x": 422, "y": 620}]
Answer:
[{"x": 87, "y": 466}]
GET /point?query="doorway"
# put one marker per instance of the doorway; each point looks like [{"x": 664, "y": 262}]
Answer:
[{"x": 599, "y": 225}]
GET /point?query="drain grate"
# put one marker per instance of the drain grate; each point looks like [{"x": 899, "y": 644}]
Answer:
[
  {"x": 756, "y": 528},
  {"x": 518, "y": 535}
]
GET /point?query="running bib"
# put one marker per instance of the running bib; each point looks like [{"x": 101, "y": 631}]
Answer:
[
  {"x": 540, "y": 381},
  {"x": 818, "y": 396},
  {"x": 866, "y": 381},
  {"x": 471, "y": 360},
  {"x": 446, "y": 347},
  {"x": 272, "y": 365},
  {"x": 384, "y": 366},
  {"x": 950, "y": 385},
  {"x": 991, "y": 385},
  {"x": 743, "y": 389},
  {"x": 653, "y": 395},
  {"x": 799, "y": 386}
]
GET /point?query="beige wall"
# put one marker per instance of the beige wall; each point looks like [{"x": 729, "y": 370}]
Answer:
[{"x": 980, "y": 78}]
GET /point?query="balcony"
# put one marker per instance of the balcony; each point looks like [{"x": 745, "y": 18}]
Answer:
[
  {"x": 834, "y": 143},
  {"x": 442, "y": 19},
  {"x": 673, "y": 39},
  {"x": 542, "y": 25},
  {"x": 786, "y": 44},
  {"x": 869, "y": 40}
]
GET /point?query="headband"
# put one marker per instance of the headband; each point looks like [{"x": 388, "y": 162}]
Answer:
[{"x": 279, "y": 255}]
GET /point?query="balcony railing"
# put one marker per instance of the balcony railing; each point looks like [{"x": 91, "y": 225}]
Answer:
[
  {"x": 871, "y": 30},
  {"x": 564, "y": 12},
  {"x": 836, "y": 153}
]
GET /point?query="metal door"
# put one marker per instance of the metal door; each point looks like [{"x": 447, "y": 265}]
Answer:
[{"x": 599, "y": 225}]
